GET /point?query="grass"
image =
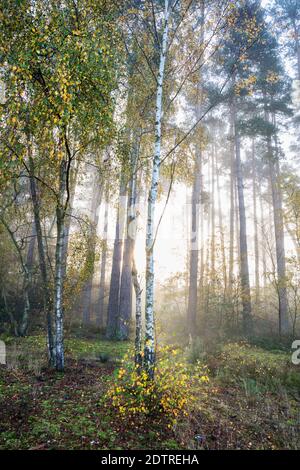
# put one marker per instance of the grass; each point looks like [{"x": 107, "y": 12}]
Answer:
[
  {"x": 251, "y": 401},
  {"x": 35, "y": 346}
]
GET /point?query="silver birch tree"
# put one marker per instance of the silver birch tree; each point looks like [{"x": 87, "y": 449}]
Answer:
[{"x": 149, "y": 348}]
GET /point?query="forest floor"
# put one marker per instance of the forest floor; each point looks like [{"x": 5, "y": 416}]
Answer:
[{"x": 250, "y": 402}]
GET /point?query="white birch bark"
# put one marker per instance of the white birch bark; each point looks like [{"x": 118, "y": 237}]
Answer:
[
  {"x": 59, "y": 271},
  {"x": 149, "y": 350}
]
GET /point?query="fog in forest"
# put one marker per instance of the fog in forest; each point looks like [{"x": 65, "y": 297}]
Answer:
[{"x": 150, "y": 204}]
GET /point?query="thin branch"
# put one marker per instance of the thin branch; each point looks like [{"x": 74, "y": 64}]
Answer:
[{"x": 173, "y": 166}]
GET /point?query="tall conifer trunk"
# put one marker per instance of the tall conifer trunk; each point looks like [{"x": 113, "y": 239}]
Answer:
[{"x": 244, "y": 266}]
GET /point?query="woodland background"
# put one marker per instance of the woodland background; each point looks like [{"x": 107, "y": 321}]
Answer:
[{"x": 149, "y": 223}]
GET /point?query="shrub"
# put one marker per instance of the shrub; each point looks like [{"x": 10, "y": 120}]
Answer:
[{"x": 166, "y": 398}]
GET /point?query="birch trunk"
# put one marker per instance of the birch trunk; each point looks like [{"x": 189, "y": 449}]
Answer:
[
  {"x": 149, "y": 350},
  {"x": 60, "y": 270}
]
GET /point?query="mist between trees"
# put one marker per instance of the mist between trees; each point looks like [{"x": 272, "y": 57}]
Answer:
[{"x": 149, "y": 170}]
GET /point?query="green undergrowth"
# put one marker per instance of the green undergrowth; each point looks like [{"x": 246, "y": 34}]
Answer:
[
  {"x": 77, "y": 348},
  {"x": 270, "y": 370},
  {"x": 249, "y": 401}
]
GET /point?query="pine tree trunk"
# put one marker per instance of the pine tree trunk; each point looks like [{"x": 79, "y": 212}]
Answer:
[
  {"x": 262, "y": 238},
  {"x": 213, "y": 222},
  {"x": 284, "y": 326},
  {"x": 201, "y": 282},
  {"x": 221, "y": 229},
  {"x": 114, "y": 290},
  {"x": 232, "y": 210},
  {"x": 31, "y": 248},
  {"x": 42, "y": 262},
  {"x": 23, "y": 326},
  {"x": 194, "y": 246},
  {"x": 68, "y": 218},
  {"x": 274, "y": 174},
  {"x": 244, "y": 266},
  {"x": 196, "y": 211},
  {"x": 237, "y": 227},
  {"x": 206, "y": 273},
  {"x": 101, "y": 314},
  {"x": 138, "y": 316},
  {"x": 255, "y": 223},
  {"x": 125, "y": 308},
  {"x": 96, "y": 201}
]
